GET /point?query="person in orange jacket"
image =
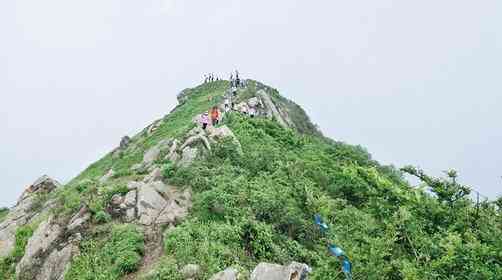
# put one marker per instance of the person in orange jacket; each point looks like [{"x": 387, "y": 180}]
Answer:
[{"x": 215, "y": 115}]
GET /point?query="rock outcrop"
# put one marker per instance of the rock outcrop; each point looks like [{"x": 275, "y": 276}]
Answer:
[{"x": 24, "y": 213}]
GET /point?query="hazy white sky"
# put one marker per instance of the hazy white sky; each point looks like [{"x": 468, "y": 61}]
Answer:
[{"x": 415, "y": 82}]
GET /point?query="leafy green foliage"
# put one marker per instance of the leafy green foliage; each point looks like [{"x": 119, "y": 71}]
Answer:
[
  {"x": 256, "y": 204},
  {"x": 108, "y": 258}
]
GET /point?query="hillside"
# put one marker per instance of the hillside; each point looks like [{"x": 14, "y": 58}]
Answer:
[{"x": 237, "y": 201}]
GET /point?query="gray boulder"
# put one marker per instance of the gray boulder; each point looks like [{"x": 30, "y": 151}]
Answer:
[
  {"x": 57, "y": 263},
  {"x": 151, "y": 155},
  {"x": 172, "y": 155},
  {"x": 42, "y": 241},
  {"x": 150, "y": 203},
  {"x": 267, "y": 271},
  {"x": 23, "y": 213},
  {"x": 227, "y": 274},
  {"x": 190, "y": 271},
  {"x": 272, "y": 110},
  {"x": 188, "y": 156}
]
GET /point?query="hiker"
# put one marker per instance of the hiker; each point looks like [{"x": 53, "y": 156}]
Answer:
[
  {"x": 252, "y": 112},
  {"x": 237, "y": 80},
  {"x": 205, "y": 120},
  {"x": 234, "y": 90},
  {"x": 227, "y": 104},
  {"x": 215, "y": 115}
]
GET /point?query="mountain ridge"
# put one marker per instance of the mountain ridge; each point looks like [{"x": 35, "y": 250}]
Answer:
[{"x": 237, "y": 201}]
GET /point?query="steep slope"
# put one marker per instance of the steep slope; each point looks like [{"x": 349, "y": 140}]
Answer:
[{"x": 237, "y": 201}]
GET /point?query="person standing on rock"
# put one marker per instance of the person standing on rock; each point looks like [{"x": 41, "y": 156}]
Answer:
[
  {"x": 215, "y": 116},
  {"x": 205, "y": 120}
]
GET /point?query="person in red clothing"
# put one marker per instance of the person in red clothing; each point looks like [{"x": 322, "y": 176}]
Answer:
[{"x": 215, "y": 115}]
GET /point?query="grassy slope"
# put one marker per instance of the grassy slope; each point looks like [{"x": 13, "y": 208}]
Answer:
[
  {"x": 258, "y": 205},
  {"x": 3, "y": 213},
  {"x": 174, "y": 125}
]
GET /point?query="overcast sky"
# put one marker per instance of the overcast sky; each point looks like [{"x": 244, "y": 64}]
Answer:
[{"x": 415, "y": 82}]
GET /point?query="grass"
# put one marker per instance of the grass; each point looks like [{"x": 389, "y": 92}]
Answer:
[
  {"x": 112, "y": 252},
  {"x": 265, "y": 196},
  {"x": 3, "y": 213},
  {"x": 173, "y": 125}
]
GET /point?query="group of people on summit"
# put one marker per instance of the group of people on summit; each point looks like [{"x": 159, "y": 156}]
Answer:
[
  {"x": 210, "y": 78},
  {"x": 214, "y": 115}
]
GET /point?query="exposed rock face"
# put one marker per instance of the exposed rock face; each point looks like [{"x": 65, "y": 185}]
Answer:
[
  {"x": 43, "y": 239},
  {"x": 272, "y": 110},
  {"x": 23, "y": 213},
  {"x": 151, "y": 155},
  {"x": 188, "y": 156},
  {"x": 267, "y": 271},
  {"x": 227, "y": 274},
  {"x": 173, "y": 155},
  {"x": 79, "y": 220},
  {"x": 150, "y": 203},
  {"x": 57, "y": 263},
  {"x": 197, "y": 138},
  {"x": 160, "y": 204}
]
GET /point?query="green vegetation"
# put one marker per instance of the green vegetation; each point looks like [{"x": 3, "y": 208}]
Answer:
[
  {"x": 8, "y": 264},
  {"x": 258, "y": 205},
  {"x": 3, "y": 213},
  {"x": 108, "y": 254},
  {"x": 173, "y": 125}
]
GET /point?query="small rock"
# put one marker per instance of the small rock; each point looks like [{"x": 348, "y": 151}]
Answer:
[
  {"x": 190, "y": 271},
  {"x": 155, "y": 175}
]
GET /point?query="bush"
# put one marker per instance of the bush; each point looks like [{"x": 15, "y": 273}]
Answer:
[{"x": 111, "y": 258}]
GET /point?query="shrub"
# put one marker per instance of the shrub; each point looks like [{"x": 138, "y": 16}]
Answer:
[{"x": 109, "y": 258}]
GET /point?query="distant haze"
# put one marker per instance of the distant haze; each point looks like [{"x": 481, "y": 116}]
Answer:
[{"x": 415, "y": 82}]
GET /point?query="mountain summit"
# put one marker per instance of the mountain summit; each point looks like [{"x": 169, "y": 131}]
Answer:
[{"x": 226, "y": 186}]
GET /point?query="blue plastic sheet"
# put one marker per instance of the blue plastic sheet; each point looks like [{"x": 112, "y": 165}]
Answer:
[{"x": 335, "y": 250}]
